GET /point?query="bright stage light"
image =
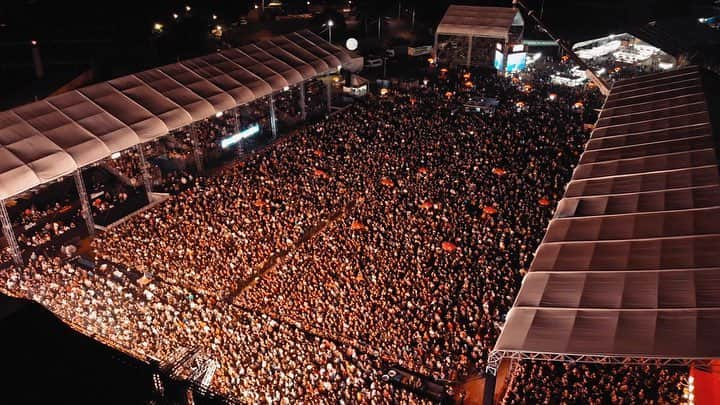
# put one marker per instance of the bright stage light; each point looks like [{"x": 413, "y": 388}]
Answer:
[{"x": 245, "y": 133}]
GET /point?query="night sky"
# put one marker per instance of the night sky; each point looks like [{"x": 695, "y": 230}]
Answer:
[{"x": 115, "y": 38}]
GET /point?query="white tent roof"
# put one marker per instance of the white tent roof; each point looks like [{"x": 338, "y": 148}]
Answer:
[
  {"x": 630, "y": 264},
  {"x": 48, "y": 139},
  {"x": 489, "y": 22}
]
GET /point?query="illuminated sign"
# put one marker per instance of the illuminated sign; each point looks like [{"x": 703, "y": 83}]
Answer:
[
  {"x": 420, "y": 50},
  {"x": 498, "y": 60},
  {"x": 245, "y": 133}
]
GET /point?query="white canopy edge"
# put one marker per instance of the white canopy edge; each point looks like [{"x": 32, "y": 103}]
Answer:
[{"x": 48, "y": 139}]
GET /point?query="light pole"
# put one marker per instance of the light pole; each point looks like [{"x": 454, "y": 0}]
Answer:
[{"x": 330, "y": 24}]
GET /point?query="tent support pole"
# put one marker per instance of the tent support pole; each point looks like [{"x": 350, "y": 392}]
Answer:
[
  {"x": 328, "y": 89},
  {"x": 10, "y": 234},
  {"x": 489, "y": 394},
  {"x": 469, "y": 56},
  {"x": 505, "y": 55},
  {"x": 147, "y": 181},
  {"x": 303, "y": 112},
  {"x": 435, "y": 48},
  {"x": 237, "y": 119},
  {"x": 196, "y": 147},
  {"x": 85, "y": 209},
  {"x": 273, "y": 117}
]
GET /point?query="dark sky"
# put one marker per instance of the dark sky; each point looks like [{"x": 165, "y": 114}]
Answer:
[
  {"x": 82, "y": 17},
  {"x": 115, "y": 37}
]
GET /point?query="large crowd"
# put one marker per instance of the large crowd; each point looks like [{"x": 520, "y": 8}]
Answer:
[
  {"x": 389, "y": 284},
  {"x": 396, "y": 232},
  {"x": 564, "y": 383}
]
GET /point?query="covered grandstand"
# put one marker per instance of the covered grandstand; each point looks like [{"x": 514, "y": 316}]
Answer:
[
  {"x": 624, "y": 49},
  {"x": 629, "y": 269},
  {"x": 471, "y": 35},
  {"x": 52, "y": 138}
]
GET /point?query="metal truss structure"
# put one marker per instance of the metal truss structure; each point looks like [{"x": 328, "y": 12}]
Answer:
[
  {"x": 147, "y": 180},
  {"x": 273, "y": 117},
  {"x": 303, "y": 112},
  {"x": 204, "y": 371},
  {"x": 496, "y": 356},
  {"x": 85, "y": 209},
  {"x": 7, "y": 230},
  {"x": 196, "y": 147}
]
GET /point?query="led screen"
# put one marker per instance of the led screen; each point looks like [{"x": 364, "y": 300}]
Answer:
[
  {"x": 498, "y": 60},
  {"x": 516, "y": 62}
]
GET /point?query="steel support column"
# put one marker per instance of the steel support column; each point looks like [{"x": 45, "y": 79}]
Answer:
[
  {"x": 147, "y": 180},
  {"x": 10, "y": 234},
  {"x": 196, "y": 147},
  {"x": 328, "y": 89},
  {"x": 85, "y": 209},
  {"x": 237, "y": 119},
  {"x": 273, "y": 118},
  {"x": 469, "y": 55},
  {"x": 303, "y": 112},
  {"x": 489, "y": 390},
  {"x": 505, "y": 55}
]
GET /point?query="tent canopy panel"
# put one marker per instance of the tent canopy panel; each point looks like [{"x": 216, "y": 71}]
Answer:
[
  {"x": 219, "y": 99},
  {"x": 259, "y": 87},
  {"x": 274, "y": 71},
  {"x": 630, "y": 265},
  {"x": 489, "y": 22},
  {"x": 195, "y": 105}
]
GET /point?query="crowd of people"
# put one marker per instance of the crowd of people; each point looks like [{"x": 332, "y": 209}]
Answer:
[
  {"x": 444, "y": 215},
  {"x": 565, "y": 383},
  {"x": 45, "y": 234},
  {"x": 262, "y": 360},
  {"x": 396, "y": 232}
]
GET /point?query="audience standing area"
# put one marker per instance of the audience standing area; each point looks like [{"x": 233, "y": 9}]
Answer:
[
  {"x": 57, "y": 137},
  {"x": 629, "y": 269}
]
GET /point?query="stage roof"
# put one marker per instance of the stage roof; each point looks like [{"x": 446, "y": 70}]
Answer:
[
  {"x": 51, "y": 138},
  {"x": 630, "y": 265},
  {"x": 488, "y": 22}
]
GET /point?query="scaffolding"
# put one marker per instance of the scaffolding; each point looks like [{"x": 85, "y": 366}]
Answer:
[
  {"x": 147, "y": 180},
  {"x": 497, "y": 356},
  {"x": 10, "y": 234},
  {"x": 273, "y": 117},
  {"x": 85, "y": 209},
  {"x": 303, "y": 111},
  {"x": 196, "y": 148}
]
